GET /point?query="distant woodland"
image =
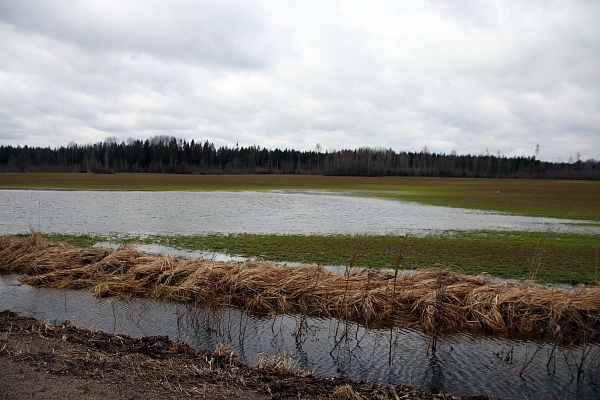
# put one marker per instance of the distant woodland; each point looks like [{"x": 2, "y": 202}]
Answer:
[{"x": 163, "y": 154}]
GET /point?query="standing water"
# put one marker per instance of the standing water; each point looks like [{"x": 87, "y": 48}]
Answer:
[
  {"x": 270, "y": 212},
  {"x": 460, "y": 364}
]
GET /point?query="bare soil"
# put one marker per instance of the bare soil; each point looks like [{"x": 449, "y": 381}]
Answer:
[{"x": 43, "y": 361}]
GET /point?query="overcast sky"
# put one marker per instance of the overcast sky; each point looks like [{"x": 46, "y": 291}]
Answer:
[{"x": 465, "y": 76}]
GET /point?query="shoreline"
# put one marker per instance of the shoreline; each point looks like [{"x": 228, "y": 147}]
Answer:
[{"x": 58, "y": 361}]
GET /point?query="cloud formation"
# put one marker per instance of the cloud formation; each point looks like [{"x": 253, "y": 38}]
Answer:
[{"x": 472, "y": 77}]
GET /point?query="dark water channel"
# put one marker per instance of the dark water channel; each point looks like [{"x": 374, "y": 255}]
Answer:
[
  {"x": 461, "y": 364},
  {"x": 277, "y": 212}
]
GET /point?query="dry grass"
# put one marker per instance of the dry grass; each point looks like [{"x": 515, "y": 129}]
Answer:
[
  {"x": 345, "y": 392},
  {"x": 223, "y": 350},
  {"x": 435, "y": 301},
  {"x": 282, "y": 362}
]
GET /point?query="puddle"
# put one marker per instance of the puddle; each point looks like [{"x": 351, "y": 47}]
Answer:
[
  {"x": 157, "y": 250},
  {"x": 461, "y": 364}
]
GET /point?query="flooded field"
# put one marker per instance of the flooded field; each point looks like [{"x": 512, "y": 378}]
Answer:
[
  {"x": 460, "y": 364},
  {"x": 269, "y": 212}
]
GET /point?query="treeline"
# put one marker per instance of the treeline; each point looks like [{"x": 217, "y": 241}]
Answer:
[{"x": 163, "y": 154}]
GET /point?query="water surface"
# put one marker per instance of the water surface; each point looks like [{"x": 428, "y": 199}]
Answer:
[
  {"x": 278, "y": 212},
  {"x": 461, "y": 364}
]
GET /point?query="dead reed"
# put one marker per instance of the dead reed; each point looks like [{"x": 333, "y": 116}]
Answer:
[
  {"x": 282, "y": 362},
  {"x": 436, "y": 301}
]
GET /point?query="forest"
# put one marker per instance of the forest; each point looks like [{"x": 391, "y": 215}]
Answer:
[{"x": 165, "y": 154}]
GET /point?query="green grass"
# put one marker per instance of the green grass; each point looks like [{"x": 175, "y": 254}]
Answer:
[
  {"x": 82, "y": 240},
  {"x": 548, "y": 198},
  {"x": 565, "y": 258}
]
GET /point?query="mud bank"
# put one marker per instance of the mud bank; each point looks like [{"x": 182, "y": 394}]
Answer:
[{"x": 40, "y": 360}]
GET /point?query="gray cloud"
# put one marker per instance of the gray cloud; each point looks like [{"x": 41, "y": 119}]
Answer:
[
  {"x": 503, "y": 76},
  {"x": 215, "y": 33}
]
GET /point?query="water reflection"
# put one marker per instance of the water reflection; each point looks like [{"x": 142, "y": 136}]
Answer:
[
  {"x": 434, "y": 375},
  {"x": 461, "y": 364},
  {"x": 279, "y": 212}
]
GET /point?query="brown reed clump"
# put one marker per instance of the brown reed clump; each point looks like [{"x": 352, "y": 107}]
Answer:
[{"x": 436, "y": 301}]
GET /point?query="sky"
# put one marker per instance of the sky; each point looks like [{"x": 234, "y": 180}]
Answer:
[{"x": 470, "y": 76}]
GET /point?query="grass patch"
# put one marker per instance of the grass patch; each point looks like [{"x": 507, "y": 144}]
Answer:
[
  {"x": 82, "y": 240},
  {"x": 547, "y": 198},
  {"x": 551, "y": 257}
]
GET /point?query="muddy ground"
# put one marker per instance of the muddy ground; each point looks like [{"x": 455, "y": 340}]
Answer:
[{"x": 43, "y": 361}]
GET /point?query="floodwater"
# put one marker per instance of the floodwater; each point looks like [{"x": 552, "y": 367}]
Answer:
[
  {"x": 263, "y": 212},
  {"x": 460, "y": 364}
]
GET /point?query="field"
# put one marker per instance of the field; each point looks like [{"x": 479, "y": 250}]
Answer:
[
  {"x": 545, "y": 257},
  {"x": 450, "y": 290},
  {"x": 547, "y": 198},
  {"x": 541, "y": 257}
]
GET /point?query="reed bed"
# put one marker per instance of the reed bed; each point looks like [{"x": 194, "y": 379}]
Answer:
[{"x": 436, "y": 301}]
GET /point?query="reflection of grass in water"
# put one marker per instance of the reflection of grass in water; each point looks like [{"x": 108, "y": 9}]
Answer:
[
  {"x": 550, "y": 198},
  {"x": 436, "y": 301},
  {"x": 565, "y": 258}
]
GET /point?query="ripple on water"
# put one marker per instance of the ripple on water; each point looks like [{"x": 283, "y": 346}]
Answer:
[
  {"x": 460, "y": 364},
  {"x": 279, "y": 212}
]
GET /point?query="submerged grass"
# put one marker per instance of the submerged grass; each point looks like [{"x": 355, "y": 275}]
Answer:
[
  {"x": 437, "y": 301},
  {"x": 559, "y": 257},
  {"x": 548, "y": 198}
]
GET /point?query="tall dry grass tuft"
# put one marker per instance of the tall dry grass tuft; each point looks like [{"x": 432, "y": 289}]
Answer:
[
  {"x": 536, "y": 261},
  {"x": 436, "y": 301},
  {"x": 281, "y": 362},
  {"x": 597, "y": 265},
  {"x": 345, "y": 392}
]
